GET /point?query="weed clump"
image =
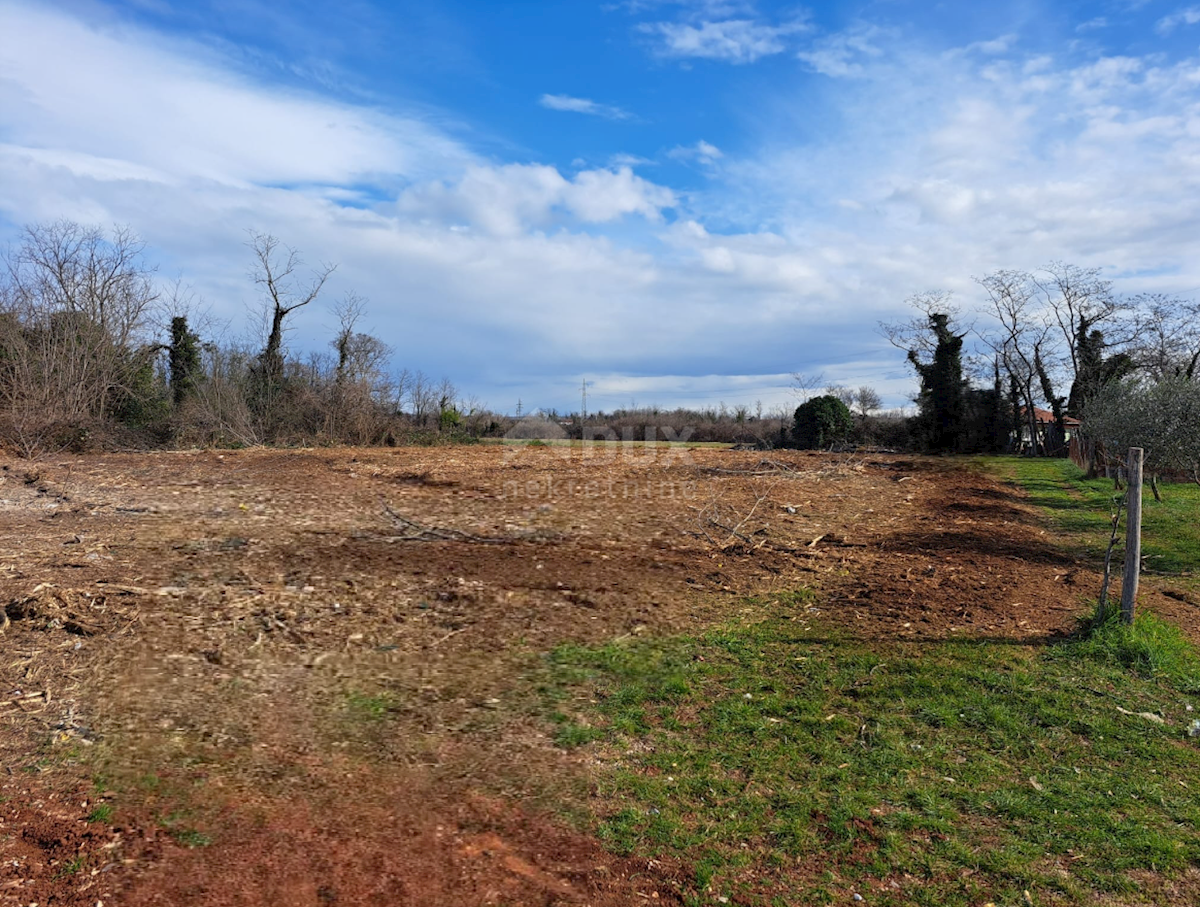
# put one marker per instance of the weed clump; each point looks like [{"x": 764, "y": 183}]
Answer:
[{"x": 1150, "y": 647}]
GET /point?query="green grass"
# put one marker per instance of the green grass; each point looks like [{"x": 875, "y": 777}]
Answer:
[
  {"x": 102, "y": 813},
  {"x": 175, "y": 822},
  {"x": 190, "y": 837},
  {"x": 368, "y": 707},
  {"x": 1079, "y": 510},
  {"x": 70, "y": 868},
  {"x": 1150, "y": 647},
  {"x": 787, "y": 770}
]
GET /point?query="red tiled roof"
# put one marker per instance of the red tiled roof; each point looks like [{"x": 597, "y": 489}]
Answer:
[{"x": 1045, "y": 417}]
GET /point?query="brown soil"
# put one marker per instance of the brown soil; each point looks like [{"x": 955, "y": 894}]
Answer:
[{"x": 308, "y": 661}]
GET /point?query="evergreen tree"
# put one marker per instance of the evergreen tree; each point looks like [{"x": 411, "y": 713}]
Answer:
[{"x": 1095, "y": 369}]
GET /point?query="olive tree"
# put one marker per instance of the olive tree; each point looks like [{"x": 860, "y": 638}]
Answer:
[{"x": 1163, "y": 418}]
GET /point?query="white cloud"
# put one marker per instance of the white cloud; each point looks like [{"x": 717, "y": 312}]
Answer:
[
  {"x": 599, "y": 196},
  {"x": 702, "y": 152},
  {"x": 141, "y": 100},
  {"x": 507, "y": 275},
  {"x": 950, "y": 166},
  {"x": 730, "y": 40},
  {"x": 843, "y": 54},
  {"x": 629, "y": 160},
  {"x": 1187, "y": 16},
  {"x": 582, "y": 105},
  {"x": 507, "y": 200},
  {"x": 998, "y": 45}
]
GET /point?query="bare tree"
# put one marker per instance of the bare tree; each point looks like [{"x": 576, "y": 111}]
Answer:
[
  {"x": 1082, "y": 306},
  {"x": 867, "y": 400},
  {"x": 422, "y": 397},
  {"x": 75, "y": 306},
  {"x": 66, "y": 267},
  {"x": 275, "y": 270},
  {"x": 843, "y": 393},
  {"x": 805, "y": 386},
  {"x": 1017, "y": 339},
  {"x": 913, "y": 333},
  {"x": 360, "y": 357},
  {"x": 1078, "y": 300},
  {"x": 1168, "y": 336},
  {"x": 360, "y": 390}
]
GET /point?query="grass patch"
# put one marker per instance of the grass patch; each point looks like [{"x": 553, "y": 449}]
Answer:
[
  {"x": 1079, "y": 510},
  {"x": 70, "y": 868},
  {"x": 1150, "y": 647},
  {"x": 190, "y": 837},
  {"x": 102, "y": 813},
  {"x": 181, "y": 831},
  {"x": 790, "y": 771},
  {"x": 368, "y": 707}
]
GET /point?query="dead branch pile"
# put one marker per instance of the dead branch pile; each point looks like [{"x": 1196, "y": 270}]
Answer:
[
  {"x": 719, "y": 514},
  {"x": 80, "y": 613}
]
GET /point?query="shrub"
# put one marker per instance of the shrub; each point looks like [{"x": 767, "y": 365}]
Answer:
[{"x": 821, "y": 421}]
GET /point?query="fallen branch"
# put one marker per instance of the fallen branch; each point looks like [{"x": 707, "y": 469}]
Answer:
[
  {"x": 732, "y": 531},
  {"x": 415, "y": 532},
  {"x": 764, "y": 468}
]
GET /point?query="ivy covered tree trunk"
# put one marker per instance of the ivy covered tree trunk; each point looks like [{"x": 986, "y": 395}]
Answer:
[
  {"x": 943, "y": 390},
  {"x": 183, "y": 360},
  {"x": 1055, "y": 445}
]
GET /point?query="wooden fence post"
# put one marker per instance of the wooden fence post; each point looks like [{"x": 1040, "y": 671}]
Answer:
[{"x": 1133, "y": 537}]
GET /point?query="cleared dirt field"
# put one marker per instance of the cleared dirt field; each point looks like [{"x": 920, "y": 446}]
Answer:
[{"x": 198, "y": 648}]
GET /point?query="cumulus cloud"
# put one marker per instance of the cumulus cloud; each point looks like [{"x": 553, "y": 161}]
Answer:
[
  {"x": 951, "y": 166},
  {"x": 506, "y": 200},
  {"x": 512, "y": 277},
  {"x": 582, "y": 105}
]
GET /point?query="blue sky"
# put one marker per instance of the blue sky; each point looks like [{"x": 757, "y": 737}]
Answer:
[{"x": 681, "y": 201}]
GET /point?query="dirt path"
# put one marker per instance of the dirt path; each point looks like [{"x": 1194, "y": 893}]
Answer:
[{"x": 310, "y": 657}]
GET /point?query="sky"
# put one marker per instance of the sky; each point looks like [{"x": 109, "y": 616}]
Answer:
[{"x": 680, "y": 202}]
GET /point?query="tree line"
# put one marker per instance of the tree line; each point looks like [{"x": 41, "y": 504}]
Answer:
[
  {"x": 1115, "y": 369},
  {"x": 94, "y": 351}
]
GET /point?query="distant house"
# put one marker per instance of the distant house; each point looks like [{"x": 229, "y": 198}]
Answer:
[{"x": 1047, "y": 440}]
